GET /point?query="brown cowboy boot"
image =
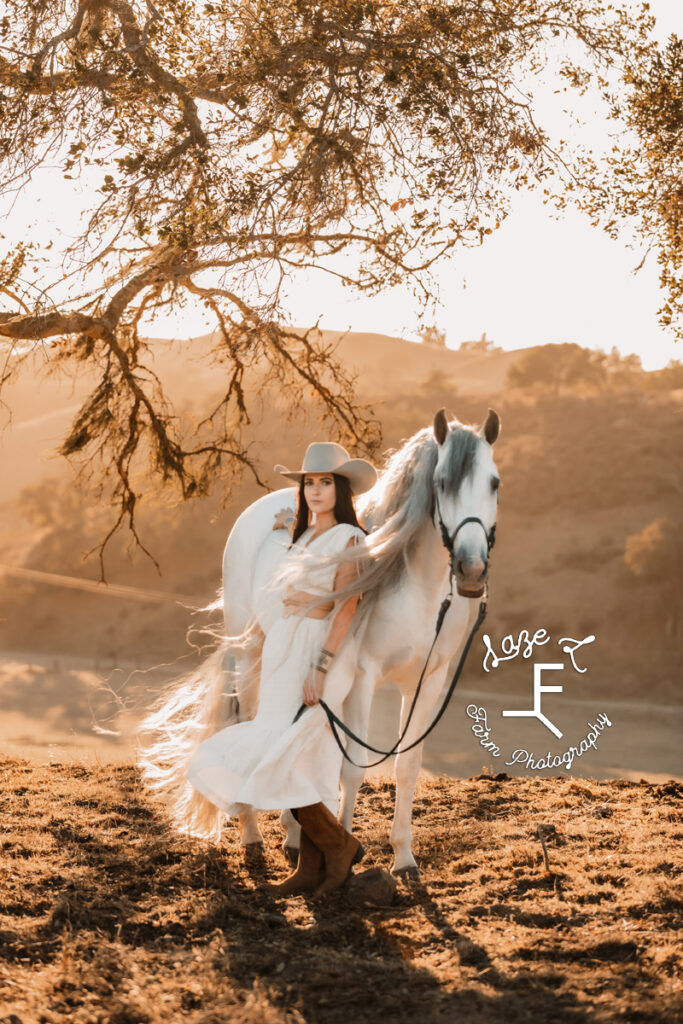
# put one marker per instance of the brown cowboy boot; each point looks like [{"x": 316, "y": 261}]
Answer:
[
  {"x": 309, "y": 870},
  {"x": 339, "y": 848}
]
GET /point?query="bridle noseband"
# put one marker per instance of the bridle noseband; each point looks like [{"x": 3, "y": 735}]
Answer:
[{"x": 448, "y": 540}]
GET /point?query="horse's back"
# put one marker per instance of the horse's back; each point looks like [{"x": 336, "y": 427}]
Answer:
[{"x": 251, "y": 557}]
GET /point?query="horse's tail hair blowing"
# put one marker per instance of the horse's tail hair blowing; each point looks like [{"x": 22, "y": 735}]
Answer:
[{"x": 191, "y": 708}]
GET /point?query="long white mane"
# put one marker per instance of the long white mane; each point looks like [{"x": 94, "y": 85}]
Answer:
[{"x": 397, "y": 506}]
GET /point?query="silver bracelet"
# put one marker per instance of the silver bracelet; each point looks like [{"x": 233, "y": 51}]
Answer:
[{"x": 324, "y": 661}]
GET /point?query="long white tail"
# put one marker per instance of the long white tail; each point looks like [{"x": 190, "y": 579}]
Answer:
[{"x": 192, "y": 708}]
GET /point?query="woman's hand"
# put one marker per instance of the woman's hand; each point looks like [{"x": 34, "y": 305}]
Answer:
[
  {"x": 314, "y": 684},
  {"x": 284, "y": 519}
]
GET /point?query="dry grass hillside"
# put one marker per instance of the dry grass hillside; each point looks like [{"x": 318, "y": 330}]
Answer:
[
  {"x": 39, "y": 406},
  {"x": 582, "y": 474},
  {"x": 588, "y": 542},
  {"x": 106, "y": 917}
]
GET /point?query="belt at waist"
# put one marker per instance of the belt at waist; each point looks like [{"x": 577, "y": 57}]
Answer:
[{"x": 295, "y": 604}]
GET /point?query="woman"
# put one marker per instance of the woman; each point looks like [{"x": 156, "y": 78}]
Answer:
[{"x": 287, "y": 756}]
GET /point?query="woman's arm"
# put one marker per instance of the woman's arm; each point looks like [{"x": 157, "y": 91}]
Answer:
[{"x": 315, "y": 680}]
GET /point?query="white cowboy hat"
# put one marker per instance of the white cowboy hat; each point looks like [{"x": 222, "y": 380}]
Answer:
[{"x": 329, "y": 457}]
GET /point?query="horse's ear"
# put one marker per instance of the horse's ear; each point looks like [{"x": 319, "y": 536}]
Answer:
[
  {"x": 440, "y": 426},
  {"x": 491, "y": 428}
]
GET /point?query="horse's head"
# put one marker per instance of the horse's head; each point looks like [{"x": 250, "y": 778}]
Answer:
[{"x": 466, "y": 497}]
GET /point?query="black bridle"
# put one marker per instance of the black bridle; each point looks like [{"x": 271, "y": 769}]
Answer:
[
  {"x": 336, "y": 724},
  {"x": 449, "y": 540}
]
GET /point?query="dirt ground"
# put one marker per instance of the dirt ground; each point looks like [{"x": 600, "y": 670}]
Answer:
[{"x": 107, "y": 917}]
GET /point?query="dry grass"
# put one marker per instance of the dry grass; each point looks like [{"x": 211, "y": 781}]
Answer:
[
  {"x": 108, "y": 917},
  {"x": 581, "y": 474}
]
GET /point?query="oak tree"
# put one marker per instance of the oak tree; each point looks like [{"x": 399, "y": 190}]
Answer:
[
  {"x": 229, "y": 145},
  {"x": 638, "y": 187}
]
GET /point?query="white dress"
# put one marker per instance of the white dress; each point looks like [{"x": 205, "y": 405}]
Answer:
[{"x": 272, "y": 762}]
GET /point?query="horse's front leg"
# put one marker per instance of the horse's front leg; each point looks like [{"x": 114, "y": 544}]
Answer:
[
  {"x": 407, "y": 771},
  {"x": 357, "y": 716}
]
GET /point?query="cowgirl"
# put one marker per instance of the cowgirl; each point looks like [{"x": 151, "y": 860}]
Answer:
[{"x": 284, "y": 758}]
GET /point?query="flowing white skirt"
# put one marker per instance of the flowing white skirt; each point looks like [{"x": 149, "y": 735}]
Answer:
[{"x": 272, "y": 762}]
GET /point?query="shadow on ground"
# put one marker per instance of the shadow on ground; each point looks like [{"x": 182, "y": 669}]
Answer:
[{"x": 108, "y": 914}]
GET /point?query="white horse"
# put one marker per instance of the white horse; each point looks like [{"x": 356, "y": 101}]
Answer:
[{"x": 446, "y": 473}]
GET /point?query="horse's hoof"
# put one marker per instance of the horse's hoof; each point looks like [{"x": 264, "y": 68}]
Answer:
[
  {"x": 411, "y": 872},
  {"x": 292, "y": 854},
  {"x": 256, "y": 847}
]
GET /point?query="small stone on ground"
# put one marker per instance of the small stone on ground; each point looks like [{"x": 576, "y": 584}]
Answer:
[{"x": 374, "y": 887}]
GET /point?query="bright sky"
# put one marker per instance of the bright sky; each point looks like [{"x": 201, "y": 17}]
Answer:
[{"x": 536, "y": 280}]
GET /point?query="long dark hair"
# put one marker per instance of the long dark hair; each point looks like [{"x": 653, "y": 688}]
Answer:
[{"x": 344, "y": 511}]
